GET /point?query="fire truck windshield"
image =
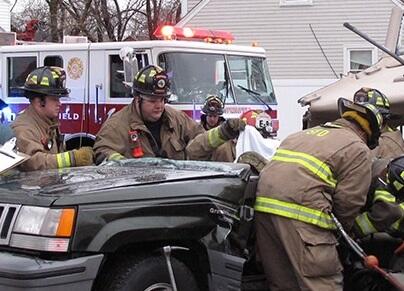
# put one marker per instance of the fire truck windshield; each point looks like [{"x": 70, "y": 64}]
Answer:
[{"x": 194, "y": 76}]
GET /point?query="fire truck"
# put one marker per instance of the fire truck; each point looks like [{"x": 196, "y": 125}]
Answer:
[{"x": 199, "y": 63}]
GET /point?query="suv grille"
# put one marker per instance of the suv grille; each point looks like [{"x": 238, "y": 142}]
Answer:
[{"x": 8, "y": 214}]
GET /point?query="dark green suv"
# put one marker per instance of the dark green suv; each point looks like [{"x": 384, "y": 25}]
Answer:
[{"x": 147, "y": 224}]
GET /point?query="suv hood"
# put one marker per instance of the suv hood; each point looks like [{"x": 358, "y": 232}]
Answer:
[{"x": 44, "y": 187}]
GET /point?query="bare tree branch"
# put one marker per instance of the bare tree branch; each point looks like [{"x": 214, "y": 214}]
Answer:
[{"x": 101, "y": 20}]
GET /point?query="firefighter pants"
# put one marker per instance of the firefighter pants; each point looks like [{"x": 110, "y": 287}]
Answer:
[{"x": 296, "y": 255}]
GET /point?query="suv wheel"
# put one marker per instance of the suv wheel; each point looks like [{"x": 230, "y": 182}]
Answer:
[{"x": 146, "y": 274}]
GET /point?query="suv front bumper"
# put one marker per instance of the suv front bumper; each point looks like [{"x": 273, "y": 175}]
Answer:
[{"x": 20, "y": 272}]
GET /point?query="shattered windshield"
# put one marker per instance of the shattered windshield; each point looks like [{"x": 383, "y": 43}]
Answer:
[
  {"x": 194, "y": 76},
  {"x": 253, "y": 74},
  {"x": 118, "y": 174}
]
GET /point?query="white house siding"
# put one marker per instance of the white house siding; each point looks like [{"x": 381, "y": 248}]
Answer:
[
  {"x": 296, "y": 62},
  {"x": 5, "y": 15},
  {"x": 191, "y": 3},
  {"x": 284, "y": 31}
]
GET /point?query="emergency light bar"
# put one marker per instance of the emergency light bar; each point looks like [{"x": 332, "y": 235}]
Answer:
[{"x": 169, "y": 32}]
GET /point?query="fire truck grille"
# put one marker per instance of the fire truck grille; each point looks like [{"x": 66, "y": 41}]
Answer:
[{"x": 8, "y": 214}]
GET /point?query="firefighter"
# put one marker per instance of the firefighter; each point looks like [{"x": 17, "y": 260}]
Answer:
[
  {"x": 37, "y": 127},
  {"x": 391, "y": 142},
  {"x": 212, "y": 117},
  {"x": 210, "y": 145},
  {"x": 382, "y": 207},
  {"x": 313, "y": 172},
  {"x": 147, "y": 127},
  {"x": 213, "y": 111},
  {"x": 260, "y": 120}
]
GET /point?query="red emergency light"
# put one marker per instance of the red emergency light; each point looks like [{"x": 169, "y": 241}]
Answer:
[{"x": 169, "y": 32}]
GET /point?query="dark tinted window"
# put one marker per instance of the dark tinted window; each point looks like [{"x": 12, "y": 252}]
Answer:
[
  {"x": 18, "y": 69},
  {"x": 55, "y": 61}
]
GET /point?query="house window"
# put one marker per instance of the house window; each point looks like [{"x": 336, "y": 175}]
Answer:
[
  {"x": 357, "y": 59},
  {"x": 295, "y": 2}
]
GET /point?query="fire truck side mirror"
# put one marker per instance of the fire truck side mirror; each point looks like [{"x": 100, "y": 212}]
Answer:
[{"x": 130, "y": 67}]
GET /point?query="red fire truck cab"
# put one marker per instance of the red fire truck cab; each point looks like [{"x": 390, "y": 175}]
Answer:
[{"x": 238, "y": 74}]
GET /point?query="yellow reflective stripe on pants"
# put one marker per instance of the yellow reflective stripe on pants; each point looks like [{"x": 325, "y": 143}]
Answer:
[
  {"x": 364, "y": 224},
  {"x": 384, "y": 195},
  {"x": 63, "y": 160},
  {"x": 115, "y": 157},
  {"x": 215, "y": 139},
  {"x": 310, "y": 162},
  {"x": 294, "y": 211}
]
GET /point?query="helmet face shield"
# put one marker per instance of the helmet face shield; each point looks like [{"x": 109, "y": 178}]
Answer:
[
  {"x": 48, "y": 81},
  {"x": 366, "y": 115},
  {"x": 151, "y": 81}
]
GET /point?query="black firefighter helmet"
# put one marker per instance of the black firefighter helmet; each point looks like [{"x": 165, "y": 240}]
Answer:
[
  {"x": 366, "y": 115},
  {"x": 374, "y": 97},
  {"x": 213, "y": 105},
  {"x": 152, "y": 81},
  {"x": 46, "y": 81},
  {"x": 395, "y": 177}
]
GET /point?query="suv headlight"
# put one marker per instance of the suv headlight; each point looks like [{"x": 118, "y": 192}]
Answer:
[{"x": 41, "y": 228}]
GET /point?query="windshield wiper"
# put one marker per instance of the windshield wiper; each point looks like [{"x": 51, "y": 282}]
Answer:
[{"x": 256, "y": 95}]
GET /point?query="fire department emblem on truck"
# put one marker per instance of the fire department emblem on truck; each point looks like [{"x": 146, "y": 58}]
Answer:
[{"x": 75, "y": 68}]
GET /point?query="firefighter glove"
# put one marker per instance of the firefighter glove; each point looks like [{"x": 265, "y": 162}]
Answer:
[
  {"x": 82, "y": 156},
  {"x": 231, "y": 128},
  {"x": 115, "y": 157}
]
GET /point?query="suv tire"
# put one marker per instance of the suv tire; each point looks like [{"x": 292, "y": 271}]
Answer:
[{"x": 147, "y": 274}]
